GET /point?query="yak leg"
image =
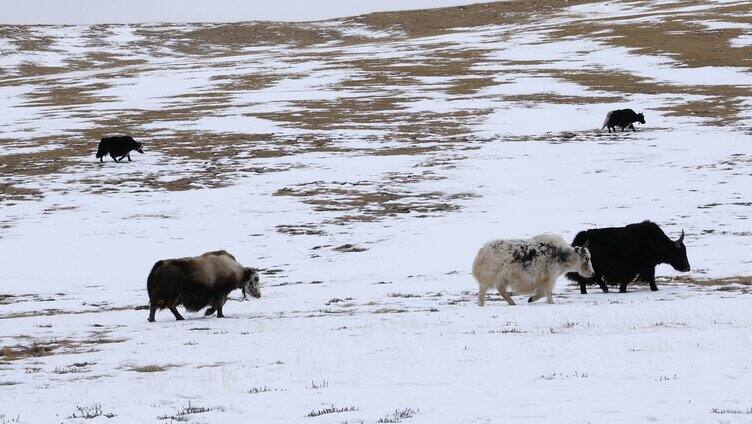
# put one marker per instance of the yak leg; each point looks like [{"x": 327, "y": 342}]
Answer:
[
  {"x": 623, "y": 287},
  {"x": 537, "y": 295},
  {"x": 212, "y": 310},
  {"x": 175, "y": 312},
  {"x": 601, "y": 283},
  {"x": 221, "y": 305},
  {"x": 583, "y": 287},
  {"x": 632, "y": 126},
  {"x": 505, "y": 294},
  {"x": 152, "y": 311},
  {"x": 649, "y": 275},
  {"x": 216, "y": 307},
  {"x": 547, "y": 289},
  {"x": 534, "y": 297},
  {"x": 482, "y": 294},
  {"x": 112, "y": 155},
  {"x": 129, "y": 157}
]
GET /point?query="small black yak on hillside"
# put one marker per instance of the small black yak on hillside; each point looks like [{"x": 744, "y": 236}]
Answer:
[
  {"x": 622, "y": 254},
  {"x": 118, "y": 147},
  {"x": 624, "y": 118}
]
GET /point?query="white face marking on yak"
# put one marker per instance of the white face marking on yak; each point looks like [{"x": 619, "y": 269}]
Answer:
[
  {"x": 251, "y": 283},
  {"x": 586, "y": 267}
]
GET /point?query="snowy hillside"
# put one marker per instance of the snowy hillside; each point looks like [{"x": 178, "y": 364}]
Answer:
[{"x": 360, "y": 163}]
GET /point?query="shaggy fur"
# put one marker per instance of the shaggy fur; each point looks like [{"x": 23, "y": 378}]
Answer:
[
  {"x": 527, "y": 266},
  {"x": 624, "y": 118},
  {"x": 625, "y": 254},
  {"x": 198, "y": 282},
  {"x": 118, "y": 148}
]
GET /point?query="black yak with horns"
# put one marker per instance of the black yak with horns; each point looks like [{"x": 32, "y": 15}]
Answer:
[{"x": 621, "y": 255}]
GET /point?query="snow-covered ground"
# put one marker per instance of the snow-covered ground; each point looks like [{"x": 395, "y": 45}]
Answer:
[{"x": 365, "y": 230}]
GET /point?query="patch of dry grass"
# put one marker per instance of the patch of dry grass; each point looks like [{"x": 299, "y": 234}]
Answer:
[
  {"x": 733, "y": 283},
  {"x": 152, "y": 368},
  {"x": 38, "y": 347}
]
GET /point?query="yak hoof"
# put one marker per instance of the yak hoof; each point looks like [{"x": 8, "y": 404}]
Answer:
[
  {"x": 150, "y": 319},
  {"x": 653, "y": 288},
  {"x": 530, "y": 299}
]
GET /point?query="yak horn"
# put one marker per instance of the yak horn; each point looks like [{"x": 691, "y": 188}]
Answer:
[
  {"x": 586, "y": 244},
  {"x": 681, "y": 237}
]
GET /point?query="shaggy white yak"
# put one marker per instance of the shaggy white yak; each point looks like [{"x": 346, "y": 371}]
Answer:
[{"x": 528, "y": 266}]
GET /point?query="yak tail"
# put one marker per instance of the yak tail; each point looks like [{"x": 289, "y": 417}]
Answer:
[
  {"x": 480, "y": 266},
  {"x": 150, "y": 278},
  {"x": 476, "y": 268},
  {"x": 101, "y": 151},
  {"x": 608, "y": 118}
]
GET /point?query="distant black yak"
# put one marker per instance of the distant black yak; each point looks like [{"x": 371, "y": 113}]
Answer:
[
  {"x": 621, "y": 255},
  {"x": 624, "y": 118},
  {"x": 198, "y": 282},
  {"x": 118, "y": 148}
]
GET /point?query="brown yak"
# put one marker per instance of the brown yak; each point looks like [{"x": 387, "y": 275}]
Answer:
[{"x": 198, "y": 282}]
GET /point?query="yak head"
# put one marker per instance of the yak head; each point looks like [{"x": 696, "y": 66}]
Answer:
[
  {"x": 139, "y": 148},
  {"x": 251, "y": 283},
  {"x": 582, "y": 260},
  {"x": 677, "y": 255},
  {"x": 641, "y": 118}
]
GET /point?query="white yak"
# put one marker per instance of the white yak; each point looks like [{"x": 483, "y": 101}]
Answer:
[{"x": 528, "y": 266}]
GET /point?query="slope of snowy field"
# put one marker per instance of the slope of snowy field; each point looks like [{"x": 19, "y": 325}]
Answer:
[{"x": 359, "y": 164}]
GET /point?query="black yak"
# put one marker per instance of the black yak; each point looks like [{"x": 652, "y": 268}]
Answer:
[
  {"x": 198, "y": 282},
  {"x": 624, "y": 118},
  {"x": 621, "y": 255},
  {"x": 118, "y": 148}
]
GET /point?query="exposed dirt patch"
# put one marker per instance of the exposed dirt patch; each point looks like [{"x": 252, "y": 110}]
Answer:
[
  {"x": 256, "y": 33},
  {"x": 301, "y": 229},
  {"x": 366, "y": 201},
  {"x": 55, "y": 311},
  {"x": 423, "y": 23},
  {"x": 739, "y": 282},
  {"x": 692, "y": 43},
  {"x": 152, "y": 368},
  {"x": 61, "y": 93},
  {"x": 37, "y": 347},
  {"x": 349, "y": 248}
]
